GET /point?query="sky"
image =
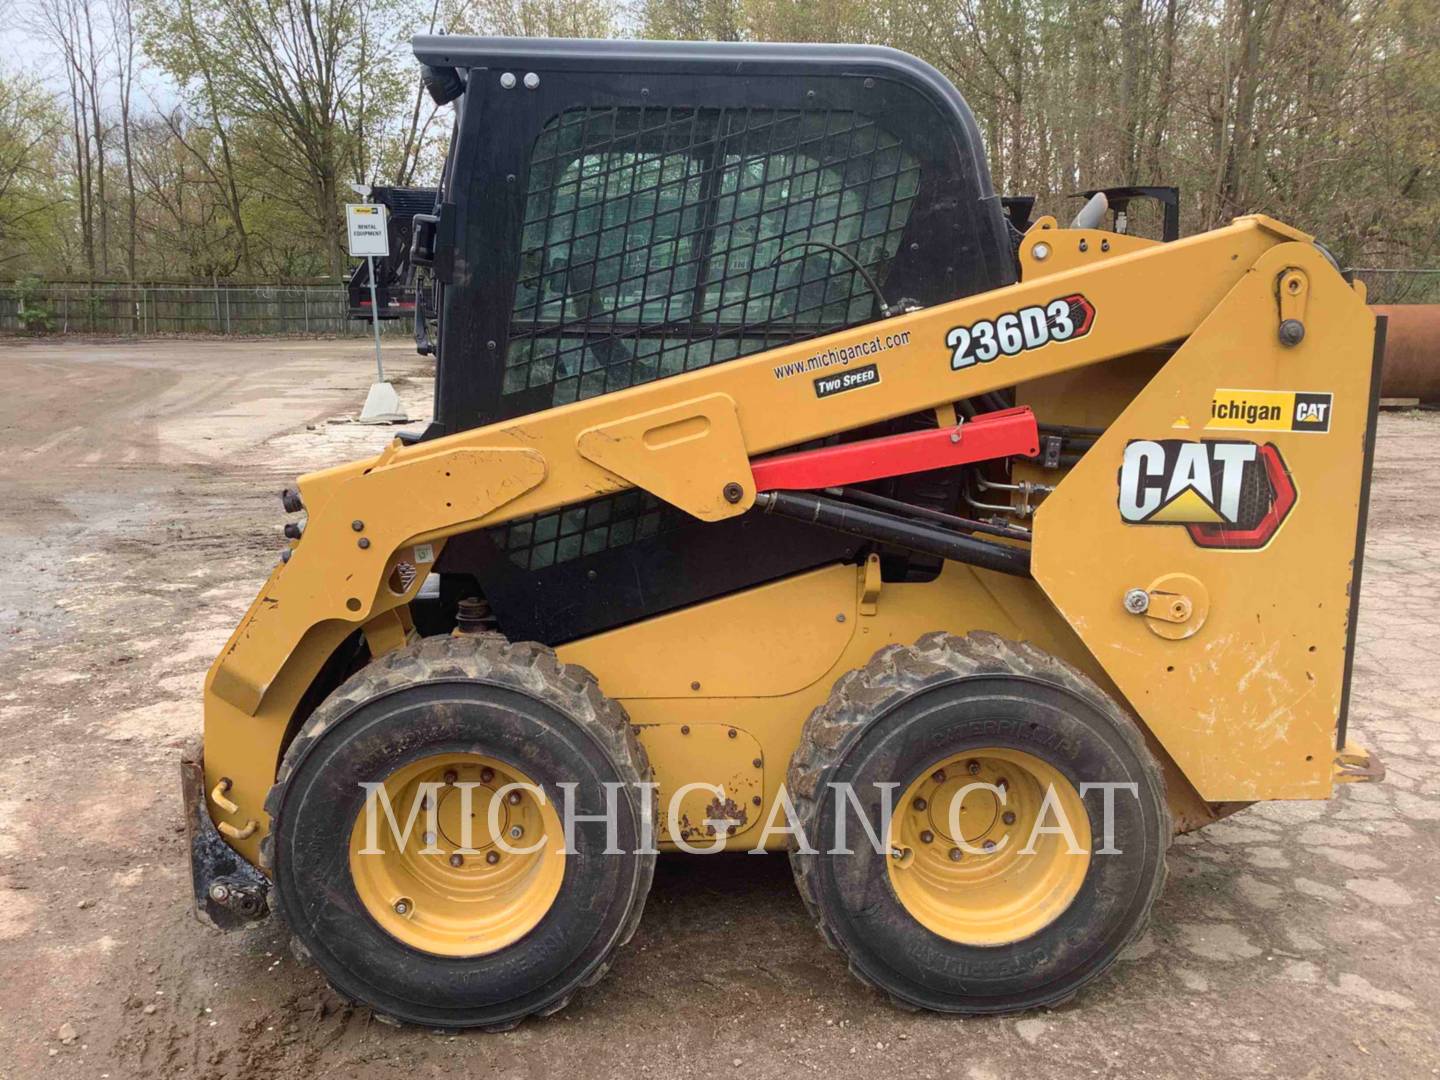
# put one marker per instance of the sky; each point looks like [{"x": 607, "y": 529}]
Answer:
[{"x": 22, "y": 50}]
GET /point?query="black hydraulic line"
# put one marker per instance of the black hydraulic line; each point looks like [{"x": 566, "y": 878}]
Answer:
[
  {"x": 891, "y": 529},
  {"x": 953, "y": 521},
  {"x": 1071, "y": 431}
]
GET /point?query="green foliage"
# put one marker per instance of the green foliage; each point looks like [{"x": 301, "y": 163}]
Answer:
[
  {"x": 32, "y": 186},
  {"x": 1319, "y": 112},
  {"x": 29, "y": 313}
]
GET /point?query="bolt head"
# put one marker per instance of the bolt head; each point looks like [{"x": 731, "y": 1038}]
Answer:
[
  {"x": 457, "y": 860},
  {"x": 513, "y": 798},
  {"x": 486, "y": 775},
  {"x": 516, "y": 832},
  {"x": 492, "y": 857},
  {"x": 938, "y": 776},
  {"x": 973, "y": 768},
  {"x": 507, "y": 81},
  {"x": 1040, "y": 252},
  {"x": 358, "y": 525},
  {"x": 989, "y": 845},
  {"x": 733, "y": 492},
  {"x": 1008, "y": 817},
  {"x": 402, "y": 907},
  {"x": 920, "y": 804},
  {"x": 1137, "y": 601},
  {"x": 451, "y": 776},
  {"x": 956, "y": 854},
  {"x": 363, "y": 542},
  {"x": 219, "y": 893},
  {"x": 531, "y": 80},
  {"x": 1292, "y": 332},
  {"x": 927, "y": 837}
]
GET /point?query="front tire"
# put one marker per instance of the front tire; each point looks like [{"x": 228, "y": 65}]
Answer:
[
  {"x": 431, "y": 930},
  {"x": 968, "y": 923}
]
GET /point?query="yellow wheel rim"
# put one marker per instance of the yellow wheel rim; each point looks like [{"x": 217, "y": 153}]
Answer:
[
  {"x": 435, "y": 894},
  {"x": 980, "y": 887}
]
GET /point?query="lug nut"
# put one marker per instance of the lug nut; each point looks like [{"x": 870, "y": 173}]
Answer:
[
  {"x": 516, "y": 832},
  {"x": 919, "y": 804},
  {"x": 451, "y": 776},
  {"x": 402, "y": 907},
  {"x": 492, "y": 857},
  {"x": 938, "y": 776},
  {"x": 927, "y": 836},
  {"x": 513, "y": 798},
  {"x": 1008, "y": 817},
  {"x": 486, "y": 775},
  {"x": 973, "y": 768},
  {"x": 457, "y": 860},
  {"x": 989, "y": 845},
  {"x": 956, "y": 854}
]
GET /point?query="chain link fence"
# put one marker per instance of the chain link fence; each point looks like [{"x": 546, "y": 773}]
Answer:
[
  {"x": 185, "y": 309},
  {"x": 67, "y": 308}
]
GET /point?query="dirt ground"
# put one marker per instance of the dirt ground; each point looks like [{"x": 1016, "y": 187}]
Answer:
[{"x": 140, "y": 487}]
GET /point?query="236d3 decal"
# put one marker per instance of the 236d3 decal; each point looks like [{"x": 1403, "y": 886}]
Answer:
[
  {"x": 1014, "y": 332},
  {"x": 1226, "y": 494}
]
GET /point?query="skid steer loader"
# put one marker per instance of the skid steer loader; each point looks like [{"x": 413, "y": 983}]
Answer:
[{"x": 777, "y": 487}]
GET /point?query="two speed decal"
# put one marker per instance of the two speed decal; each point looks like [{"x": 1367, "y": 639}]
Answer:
[{"x": 1014, "y": 332}]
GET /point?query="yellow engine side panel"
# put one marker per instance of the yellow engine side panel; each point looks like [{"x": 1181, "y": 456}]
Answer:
[
  {"x": 749, "y": 681},
  {"x": 1238, "y": 666}
]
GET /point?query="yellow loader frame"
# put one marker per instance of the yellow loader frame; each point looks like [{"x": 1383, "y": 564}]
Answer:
[{"x": 1237, "y": 667}]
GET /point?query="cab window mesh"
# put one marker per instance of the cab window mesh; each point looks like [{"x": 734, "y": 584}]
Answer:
[{"x": 661, "y": 240}]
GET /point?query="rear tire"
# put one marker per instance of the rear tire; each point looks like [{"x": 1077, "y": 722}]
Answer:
[
  {"x": 502, "y": 711},
  {"x": 1031, "y": 933}
]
